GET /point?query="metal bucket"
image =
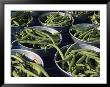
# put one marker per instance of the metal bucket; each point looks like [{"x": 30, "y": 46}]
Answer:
[{"x": 76, "y": 46}]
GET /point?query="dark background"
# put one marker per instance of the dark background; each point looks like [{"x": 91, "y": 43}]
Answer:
[{"x": 2, "y": 2}]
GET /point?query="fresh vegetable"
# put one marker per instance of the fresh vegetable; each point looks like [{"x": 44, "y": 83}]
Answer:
[
  {"x": 89, "y": 34},
  {"x": 56, "y": 19},
  {"x": 37, "y": 39},
  {"x": 95, "y": 18},
  {"x": 20, "y": 18},
  {"x": 79, "y": 62},
  {"x": 21, "y": 66}
]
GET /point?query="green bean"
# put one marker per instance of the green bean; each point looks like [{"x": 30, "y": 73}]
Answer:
[
  {"x": 14, "y": 62},
  {"x": 87, "y": 66},
  {"x": 81, "y": 59},
  {"x": 36, "y": 66},
  {"x": 26, "y": 67},
  {"x": 17, "y": 58},
  {"x": 83, "y": 34},
  {"x": 26, "y": 71},
  {"x": 21, "y": 18},
  {"x": 38, "y": 32},
  {"x": 23, "y": 38},
  {"x": 15, "y": 74},
  {"x": 70, "y": 47},
  {"x": 74, "y": 73},
  {"x": 87, "y": 59},
  {"x": 90, "y": 34},
  {"x": 37, "y": 38},
  {"x": 67, "y": 58},
  {"x": 86, "y": 36},
  {"x": 90, "y": 72},
  {"x": 49, "y": 37},
  {"x": 86, "y": 50},
  {"x": 32, "y": 35},
  {"x": 80, "y": 65},
  {"x": 76, "y": 34},
  {"x": 16, "y": 23},
  {"x": 28, "y": 41},
  {"x": 55, "y": 19},
  {"x": 84, "y": 63},
  {"x": 95, "y": 18},
  {"x": 88, "y": 53},
  {"x": 72, "y": 63}
]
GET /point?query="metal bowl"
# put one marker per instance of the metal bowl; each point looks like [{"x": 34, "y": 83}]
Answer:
[
  {"x": 29, "y": 23},
  {"x": 76, "y": 46},
  {"x": 79, "y": 41},
  {"x": 42, "y": 52},
  {"x": 29, "y": 55},
  {"x": 62, "y": 29}
]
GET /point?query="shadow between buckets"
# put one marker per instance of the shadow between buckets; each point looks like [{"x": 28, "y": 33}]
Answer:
[
  {"x": 83, "y": 18},
  {"x": 35, "y": 15}
]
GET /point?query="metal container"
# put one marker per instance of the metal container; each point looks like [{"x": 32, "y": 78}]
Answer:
[
  {"x": 76, "y": 46},
  {"x": 62, "y": 29},
  {"x": 42, "y": 52},
  {"x": 79, "y": 41},
  {"x": 35, "y": 15},
  {"x": 29, "y": 55},
  {"x": 29, "y": 23}
]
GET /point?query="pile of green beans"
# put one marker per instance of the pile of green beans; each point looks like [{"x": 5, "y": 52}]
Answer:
[
  {"x": 36, "y": 38},
  {"x": 21, "y": 66},
  {"x": 89, "y": 34},
  {"x": 56, "y": 19},
  {"x": 95, "y": 18},
  {"x": 80, "y": 62},
  {"x": 21, "y": 18}
]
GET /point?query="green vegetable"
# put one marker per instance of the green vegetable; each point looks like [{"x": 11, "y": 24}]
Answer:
[
  {"x": 15, "y": 74},
  {"x": 36, "y": 38},
  {"x": 79, "y": 62},
  {"x": 20, "y": 18},
  {"x": 21, "y": 66},
  {"x": 55, "y": 19},
  {"x": 89, "y": 34},
  {"x": 95, "y": 18}
]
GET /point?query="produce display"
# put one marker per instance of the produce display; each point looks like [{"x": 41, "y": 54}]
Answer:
[
  {"x": 80, "y": 62},
  {"x": 36, "y": 38},
  {"x": 20, "y": 18},
  {"x": 56, "y": 19},
  {"x": 75, "y": 60},
  {"x": 23, "y": 67},
  {"x": 89, "y": 34}
]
